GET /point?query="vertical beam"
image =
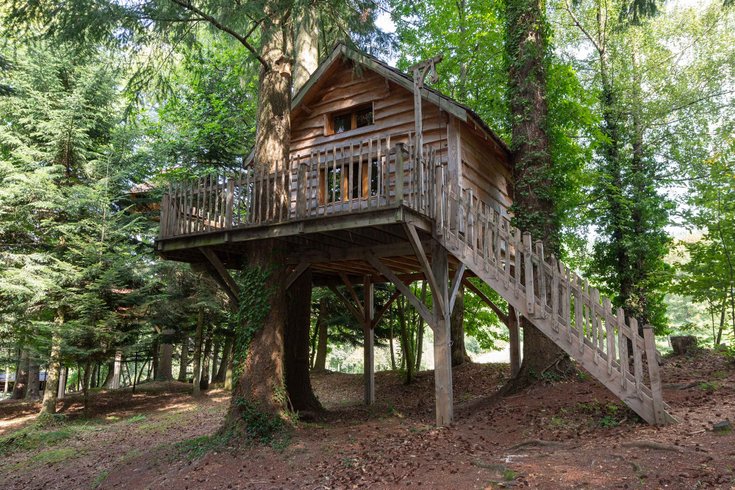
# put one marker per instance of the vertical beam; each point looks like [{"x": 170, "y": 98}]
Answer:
[
  {"x": 116, "y": 370},
  {"x": 442, "y": 336},
  {"x": 515, "y": 341},
  {"x": 368, "y": 343},
  {"x": 654, "y": 375}
]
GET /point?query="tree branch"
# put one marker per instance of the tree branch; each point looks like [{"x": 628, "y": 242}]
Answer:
[{"x": 186, "y": 4}]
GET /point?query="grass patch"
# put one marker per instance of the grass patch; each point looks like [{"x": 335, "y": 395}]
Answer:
[
  {"x": 136, "y": 418},
  {"x": 44, "y": 433},
  {"x": 709, "y": 386},
  {"x": 100, "y": 478},
  {"x": 199, "y": 446},
  {"x": 55, "y": 455},
  {"x": 509, "y": 475}
]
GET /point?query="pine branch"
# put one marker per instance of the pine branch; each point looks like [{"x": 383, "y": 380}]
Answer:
[{"x": 186, "y": 4}]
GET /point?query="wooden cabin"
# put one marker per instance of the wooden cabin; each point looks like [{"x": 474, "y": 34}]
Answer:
[{"x": 374, "y": 194}]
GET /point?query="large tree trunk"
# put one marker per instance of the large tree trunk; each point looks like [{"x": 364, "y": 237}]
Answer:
[
  {"x": 534, "y": 190},
  {"x": 459, "y": 353},
  {"x": 296, "y": 341},
  {"x": 224, "y": 361},
  {"x": 21, "y": 377},
  {"x": 184, "y": 359},
  {"x": 33, "y": 391},
  {"x": 164, "y": 372},
  {"x": 320, "y": 360},
  {"x": 260, "y": 384},
  {"x": 306, "y": 48},
  {"x": 198, "y": 352},
  {"x": 51, "y": 392}
]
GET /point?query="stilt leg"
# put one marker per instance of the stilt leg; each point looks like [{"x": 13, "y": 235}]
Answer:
[
  {"x": 442, "y": 336},
  {"x": 368, "y": 342}
]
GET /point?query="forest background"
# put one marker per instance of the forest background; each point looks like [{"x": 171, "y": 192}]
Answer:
[{"x": 641, "y": 120}]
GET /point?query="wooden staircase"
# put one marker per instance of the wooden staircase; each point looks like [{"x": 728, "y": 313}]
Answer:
[{"x": 554, "y": 298}]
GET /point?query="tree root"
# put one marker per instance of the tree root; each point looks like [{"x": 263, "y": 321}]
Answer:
[
  {"x": 536, "y": 443},
  {"x": 652, "y": 445}
]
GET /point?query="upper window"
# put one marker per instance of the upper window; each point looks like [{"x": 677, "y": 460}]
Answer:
[{"x": 357, "y": 117}]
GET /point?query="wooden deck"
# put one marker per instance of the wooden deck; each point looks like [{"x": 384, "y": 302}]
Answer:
[{"x": 376, "y": 213}]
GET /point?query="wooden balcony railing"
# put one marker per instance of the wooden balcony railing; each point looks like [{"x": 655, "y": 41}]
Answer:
[{"x": 368, "y": 175}]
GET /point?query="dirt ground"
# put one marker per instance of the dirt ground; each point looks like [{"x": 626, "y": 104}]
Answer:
[{"x": 567, "y": 434}]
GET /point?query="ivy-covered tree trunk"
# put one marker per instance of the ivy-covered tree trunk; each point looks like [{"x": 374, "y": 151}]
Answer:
[
  {"x": 456, "y": 320},
  {"x": 534, "y": 190},
  {"x": 296, "y": 341},
  {"x": 260, "y": 381}
]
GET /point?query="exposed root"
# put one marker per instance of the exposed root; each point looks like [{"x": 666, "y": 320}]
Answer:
[
  {"x": 536, "y": 443},
  {"x": 652, "y": 445}
]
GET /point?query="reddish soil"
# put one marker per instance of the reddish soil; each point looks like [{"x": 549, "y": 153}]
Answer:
[{"x": 569, "y": 434}]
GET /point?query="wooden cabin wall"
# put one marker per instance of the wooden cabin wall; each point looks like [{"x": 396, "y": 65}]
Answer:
[
  {"x": 393, "y": 114},
  {"x": 483, "y": 169}
]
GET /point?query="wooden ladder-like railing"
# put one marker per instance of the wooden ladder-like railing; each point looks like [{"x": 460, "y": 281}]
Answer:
[{"x": 554, "y": 298}]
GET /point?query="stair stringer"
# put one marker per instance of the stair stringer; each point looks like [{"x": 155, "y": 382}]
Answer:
[{"x": 566, "y": 338}]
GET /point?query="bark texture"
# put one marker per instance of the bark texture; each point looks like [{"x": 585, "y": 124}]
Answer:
[
  {"x": 184, "y": 359},
  {"x": 296, "y": 341},
  {"x": 33, "y": 389},
  {"x": 166, "y": 351},
  {"x": 198, "y": 352},
  {"x": 21, "y": 377},
  {"x": 534, "y": 204},
  {"x": 459, "y": 352},
  {"x": 50, "y": 394},
  {"x": 260, "y": 384},
  {"x": 320, "y": 360}
]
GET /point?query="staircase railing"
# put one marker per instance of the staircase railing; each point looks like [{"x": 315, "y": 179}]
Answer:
[{"x": 548, "y": 292}]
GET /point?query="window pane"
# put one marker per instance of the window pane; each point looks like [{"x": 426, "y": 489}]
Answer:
[
  {"x": 364, "y": 117},
  {"x": 341, "y": 123}
]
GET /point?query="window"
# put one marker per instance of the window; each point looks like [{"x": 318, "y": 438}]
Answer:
[
  {"x": 357, "y": 117},
  {"x": 334, "y": 182}
]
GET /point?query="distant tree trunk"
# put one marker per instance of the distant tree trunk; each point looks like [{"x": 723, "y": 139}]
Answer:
[
  {"x": 226, "y": 354},
  {"x": 164, "y": 372},
  {"x": 21, "y": 377},
  {"x": 184, "y": 359},
  {"x": 204, "y": 376},
  {"x": 392, "y": 349},
  {"x": 85, "y": 384},
  {"x": 419, "y": 350},
  {"x": 33, "y": 391},
  {"x": 51, "y": 392},
  {"x": 198, "y": 351},
  {"x": 407, "y": 360},
  {"x": 296, "y": 342},
  {"x": 534, "y": 198},
  {"x": 459, "y": 353},
  {"x": 155, "y": 348},
  {"x": 64, "y": 374},
  {"x": 320, "y": 360},
  {"x": 228, "y": 373},
  {"x": 114, "y": 372},
  {"x": 261, "y": 380},
  {"x": 215, "y": 355}
]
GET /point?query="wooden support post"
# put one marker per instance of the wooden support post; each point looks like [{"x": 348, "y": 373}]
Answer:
[
  {"x": 221, "y": 275},
  {"x": 442, "y": 336},
  {"x": 654, "y": 375},
  {"x": 368, "y": 342},
  {"x": 399, "y": 173},
  {"x": 515, "y": 341}
]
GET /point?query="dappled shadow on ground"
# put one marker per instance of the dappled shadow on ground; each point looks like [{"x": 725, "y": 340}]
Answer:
[{"x": 569, "y": 434}]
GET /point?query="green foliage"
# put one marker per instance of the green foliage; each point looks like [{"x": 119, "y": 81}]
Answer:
[
  {"x": 254, "y": 306},
  {"x": 260, "y": 425}
]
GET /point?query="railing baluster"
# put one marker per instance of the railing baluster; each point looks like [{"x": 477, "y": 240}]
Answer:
[{"x": 622, "y": 349}]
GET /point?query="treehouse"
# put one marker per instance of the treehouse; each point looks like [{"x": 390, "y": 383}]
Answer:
[{"x": 391, "y": 181}]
